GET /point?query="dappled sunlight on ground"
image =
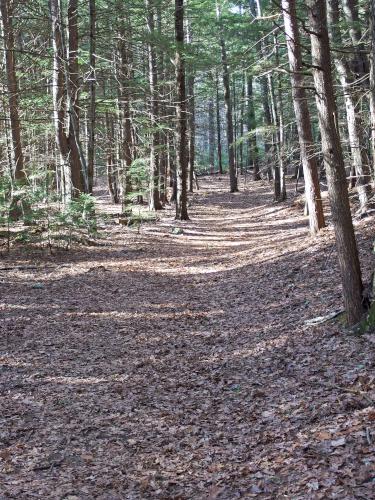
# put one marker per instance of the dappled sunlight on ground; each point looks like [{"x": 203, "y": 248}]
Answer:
[{"x": 163, "y": 365}]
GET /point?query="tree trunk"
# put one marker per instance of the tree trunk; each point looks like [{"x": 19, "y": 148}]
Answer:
[
  {"x": 302, "y": 114},
  {"x": 191, "y": 114},
  {"x": 356, "y": 141},
  {"x": 334, "y": 163},
  {"x": 372, "y": 81},
  {"x": 253, "y": 153},
  {"x": 77, "y": 160},
  {"x": 6, "y": 9},
  {"x": 181, "y": 167},
  {"x": 211, "y": 136},
  {"x": 154, "y": 197},
  {"x": 218, "y": 128},
  {"x": 228, "y": 107},
  {"x": 92, "y": 97}
]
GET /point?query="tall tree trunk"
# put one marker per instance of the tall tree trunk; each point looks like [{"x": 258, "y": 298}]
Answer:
[
  {"x": 334, "y": 163},
  {"x": 218, "y": 128},
  {"x": 6, "y": 9},
  {"x": 92, "y": 97},
  {"x": 302, "y": 114},
  {"x": 191, "y": 114},
  {"x": 228, "y": 107},
  {"x": 112, "y": 174},
  {"x": 211, "y": 136},
  {"x": 356, "y": 141},
  {"x": 253, "y": 153},
  {"x": 59, "y": 99},
  {"x": 372, "y": 81},
  {"x": 154, "y": 197},
  {"x": 181, "y": 170},
  {"x": 360, "y": 64},
  {"x": 77, "y": 160},
  {"x": 124, "y": 77}
]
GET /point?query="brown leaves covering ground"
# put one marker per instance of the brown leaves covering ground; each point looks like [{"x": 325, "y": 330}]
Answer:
[{"x": 180, "y": 366}]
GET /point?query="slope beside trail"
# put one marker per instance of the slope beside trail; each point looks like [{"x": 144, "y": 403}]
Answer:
[{"x": 178, "y": 365}]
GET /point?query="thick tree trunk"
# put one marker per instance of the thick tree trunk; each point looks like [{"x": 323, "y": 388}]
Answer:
[
  {"x": 181, "y": 170},
  {"x": 334, "y": 163},
  {"x": 6, "y": 8},
  {"x": 77, "y": 160},
  {"x": 301, "y": 111}
]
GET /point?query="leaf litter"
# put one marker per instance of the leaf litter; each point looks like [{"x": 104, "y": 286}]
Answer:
[{"x": 176, "y": 362}]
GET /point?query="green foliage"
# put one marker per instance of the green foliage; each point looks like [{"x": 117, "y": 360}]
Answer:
[{"x": 46, "y": 222}]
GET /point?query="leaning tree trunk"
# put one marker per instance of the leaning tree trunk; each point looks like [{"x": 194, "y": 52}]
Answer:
[
  {"x": 181, "y": 167},
  {"x": 302, "y": 114},
  {"x": 334, "y": 163}
]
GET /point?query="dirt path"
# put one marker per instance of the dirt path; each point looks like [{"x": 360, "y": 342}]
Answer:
[{"x": 180, "y": 366}]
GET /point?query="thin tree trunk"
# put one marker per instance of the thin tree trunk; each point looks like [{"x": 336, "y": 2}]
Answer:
[
  {"x": 228, "y": 107},
  {"x": 154, "y": 197},
  {"x": 92, "y": 97},
  {"x": 253, "y": 153},
  {"x": 302, "y": 114},
  {"x": 181, "y": 170},
  {"x": 218, "y": 128},
  {"x": 334, "y": 163},
  {"x": 372, "y": 82},
  {"x": 211, "y": 136}
]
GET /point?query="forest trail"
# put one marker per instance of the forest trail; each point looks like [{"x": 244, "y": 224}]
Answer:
[{"x": 168, "y": 365}]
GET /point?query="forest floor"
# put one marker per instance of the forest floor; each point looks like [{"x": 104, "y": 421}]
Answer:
[{"x": 181, "y": 366}]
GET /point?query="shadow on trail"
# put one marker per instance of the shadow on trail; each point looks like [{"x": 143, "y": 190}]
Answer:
[{"x": 162, "y": 377}]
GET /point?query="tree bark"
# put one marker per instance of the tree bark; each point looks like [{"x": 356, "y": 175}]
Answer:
[
  {"x": 252, "y": 146},
  {"x": 218, "y": 128},
  {"x": 92, "y": 97},
  {"x": 302, "y": 114},
  {"x": 6, "y": 9},
  {"x": 334, "y": 163},
  {"x": 154, "y": 196},
  {"x": 211, "y": 136},
  {"x": 181, "y": 167},
  {"x": 228, "y": 106},
  {"x": 356, "y": 141}
]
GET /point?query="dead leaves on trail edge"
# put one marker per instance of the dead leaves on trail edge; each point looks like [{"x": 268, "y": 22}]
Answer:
[{"x": 178, "y": 364}]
